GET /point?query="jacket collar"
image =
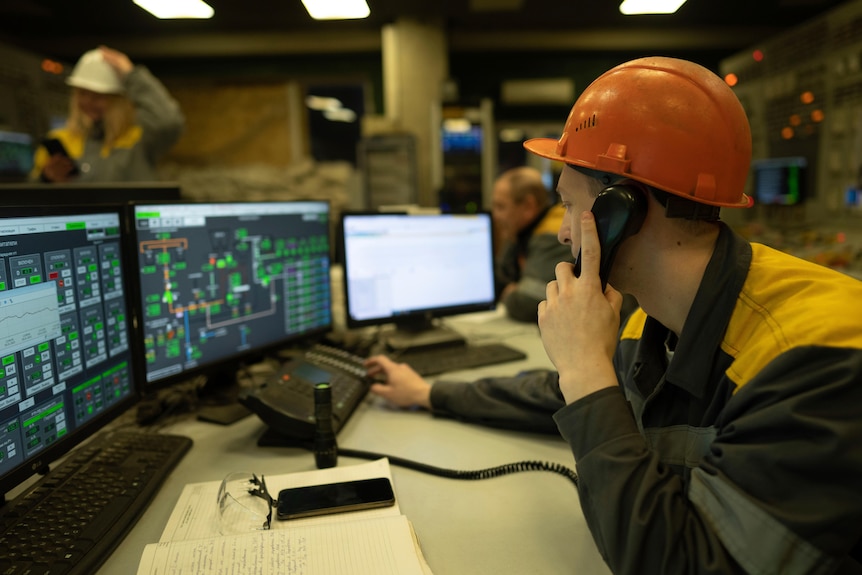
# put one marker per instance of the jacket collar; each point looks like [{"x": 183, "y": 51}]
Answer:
[{"x": 710, "y": 313}]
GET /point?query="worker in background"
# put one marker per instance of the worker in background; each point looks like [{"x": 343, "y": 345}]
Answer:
[
  {"x": 527, "y": 223},
  {"x": 122, "y": 120},
  {"x": 718, "y": 429}
]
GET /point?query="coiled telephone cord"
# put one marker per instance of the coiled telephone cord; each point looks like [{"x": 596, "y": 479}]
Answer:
[{"x": 486, "y": 473}]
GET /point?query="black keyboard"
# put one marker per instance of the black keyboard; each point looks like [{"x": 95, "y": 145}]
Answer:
[
  {"x": 71, "y": 519},
  {"x": 452, "y": 358}
]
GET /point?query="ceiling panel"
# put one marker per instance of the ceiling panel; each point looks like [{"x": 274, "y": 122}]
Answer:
[{"x": 63, "y": 29}]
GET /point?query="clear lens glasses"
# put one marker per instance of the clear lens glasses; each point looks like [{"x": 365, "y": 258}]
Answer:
[{"x": 244, "y": 504}]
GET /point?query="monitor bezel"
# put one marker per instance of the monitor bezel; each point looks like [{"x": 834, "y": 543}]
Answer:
[
  {"x": 225, "y": 366},
  {"x": 90, "y": 193},
  {"x": 65, "y": 445},
  {"x": 419, "y": 319}
]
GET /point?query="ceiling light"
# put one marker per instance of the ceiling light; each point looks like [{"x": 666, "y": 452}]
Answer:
[
  {"x": 169, "y": 9},
  {"x": 321, "y": 103},
  {"x": 340, "y": 115},
  {"x": 337, "y": 9},
  {"x": 458, "y": 125},
  {"x": 630, "y": 7}
]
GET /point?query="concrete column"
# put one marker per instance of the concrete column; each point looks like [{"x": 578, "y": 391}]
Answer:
[{"x": 415, "y": 67}]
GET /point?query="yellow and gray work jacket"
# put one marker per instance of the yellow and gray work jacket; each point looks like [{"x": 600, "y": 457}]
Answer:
[{"x": 737, "y": 448}]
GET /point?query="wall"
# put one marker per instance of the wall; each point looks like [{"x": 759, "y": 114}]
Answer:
[
  {"x": 802, "y": 92},
  {"x": 29, "y": 96}
]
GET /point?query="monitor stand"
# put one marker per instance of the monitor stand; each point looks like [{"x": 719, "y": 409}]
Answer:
[
  {"x": 411, "y": 337},
  {"x": 218, "y": 399}
]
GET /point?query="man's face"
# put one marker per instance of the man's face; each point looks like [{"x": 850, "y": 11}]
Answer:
[
  {"x": 510, "y": 217},
  {"x": 576, "y": 197},
  {"x": 504, "y": 210}
]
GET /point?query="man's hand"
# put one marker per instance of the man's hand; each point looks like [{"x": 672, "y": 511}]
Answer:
[
  {"x": 402, "y": 386},
  {"x": 579, "y": 323}
]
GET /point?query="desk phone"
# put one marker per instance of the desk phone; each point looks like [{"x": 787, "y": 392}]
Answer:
[{"x": 285, "y": 401}]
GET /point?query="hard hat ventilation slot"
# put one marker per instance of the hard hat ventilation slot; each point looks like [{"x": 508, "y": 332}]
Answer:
[{"x": 588, "y": 123}]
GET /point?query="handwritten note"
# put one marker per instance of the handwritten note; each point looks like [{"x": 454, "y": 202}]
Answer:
[
  {"x": 373, "y": 541},
  {"x": 378, "y": 546}
]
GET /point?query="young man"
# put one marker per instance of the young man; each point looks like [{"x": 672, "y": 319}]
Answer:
[
  {"x": 527, "y": 223},
  {"x": 720, "y": 431}
]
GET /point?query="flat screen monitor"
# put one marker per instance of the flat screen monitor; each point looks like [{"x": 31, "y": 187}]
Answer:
[
  {"x": 780, "y": 181},
  {"x": 16, "y": 156},
  {"x": 65, "y": 332},
  {"x": 89, "y": 193},
  {"x": 221, "y": 284},
  {"x": 409, "y": 269}
]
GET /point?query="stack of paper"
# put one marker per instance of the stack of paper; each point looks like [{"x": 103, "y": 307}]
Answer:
[{"x": 373, "y": 541}]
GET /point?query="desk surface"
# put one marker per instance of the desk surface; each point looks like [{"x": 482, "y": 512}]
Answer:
[{"x": 528, "y": 522}]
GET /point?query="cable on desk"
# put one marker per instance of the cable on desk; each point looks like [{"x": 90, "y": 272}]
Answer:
[
  {"x": 487, "y": 473},
  {"x": 326, "y": 449}
]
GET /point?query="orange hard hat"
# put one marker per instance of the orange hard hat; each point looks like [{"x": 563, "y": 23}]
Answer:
[{"x": 668, "y": 123}]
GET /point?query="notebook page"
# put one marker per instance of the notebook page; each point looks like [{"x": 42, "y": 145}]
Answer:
[{"x": 380, "y": 546}]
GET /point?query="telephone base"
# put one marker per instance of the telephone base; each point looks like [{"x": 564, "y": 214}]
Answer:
[{"x": 272, "y": 438}]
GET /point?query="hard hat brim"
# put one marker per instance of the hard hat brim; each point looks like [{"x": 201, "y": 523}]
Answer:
[
  {"x": 545, "y": 147},
  {"x": 97, "y": 87}
]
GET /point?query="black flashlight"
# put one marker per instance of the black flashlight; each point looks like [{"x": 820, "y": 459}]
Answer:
[{"x": 325, "y": 448}]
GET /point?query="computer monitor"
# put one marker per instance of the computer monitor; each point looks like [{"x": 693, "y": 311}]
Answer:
[
  {"x": 221, "y": 284},
  {"x": 410, "y": 269},
  {"x": 65, "y": 332},
  {"x": 780, "y": 181},
  {"x": 16, "y": 156},
  {"x": 88, "y": 193}
]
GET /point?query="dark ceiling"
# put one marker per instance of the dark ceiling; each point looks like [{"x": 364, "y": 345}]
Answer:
[{"x": 63, "y": 29}]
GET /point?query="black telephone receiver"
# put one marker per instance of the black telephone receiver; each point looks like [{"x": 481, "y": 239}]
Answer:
[{"x": 619, "y": 211}]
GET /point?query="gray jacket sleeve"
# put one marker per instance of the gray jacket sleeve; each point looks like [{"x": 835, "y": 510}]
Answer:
[
  {"x": 545, "y": 252},
  {"x": 158, "y": 114},
  {"x": 525, "y": 402},
  {"x": 777, "y": 492}
]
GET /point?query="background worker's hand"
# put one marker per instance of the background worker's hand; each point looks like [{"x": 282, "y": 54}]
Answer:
[
  {"x": 401, "y": 385},
  {"x": 117, "y": 60},
  {"x": 58, "y": 168}
]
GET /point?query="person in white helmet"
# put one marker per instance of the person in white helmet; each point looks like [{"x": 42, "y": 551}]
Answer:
[
  {"x": 717, "y": 429},
  {"x": 122, "y": 120}
]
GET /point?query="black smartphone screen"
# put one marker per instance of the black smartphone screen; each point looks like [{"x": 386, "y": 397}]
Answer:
[{"x": 297, "y": 502}]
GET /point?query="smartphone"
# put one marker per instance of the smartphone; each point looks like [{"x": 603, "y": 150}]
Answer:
[
  {"x": 55, "y": 146},
  {"x": 312, "y": 500}
]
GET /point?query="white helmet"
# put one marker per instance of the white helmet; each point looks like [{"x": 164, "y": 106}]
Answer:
[{"x": 93, "y": 73}]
